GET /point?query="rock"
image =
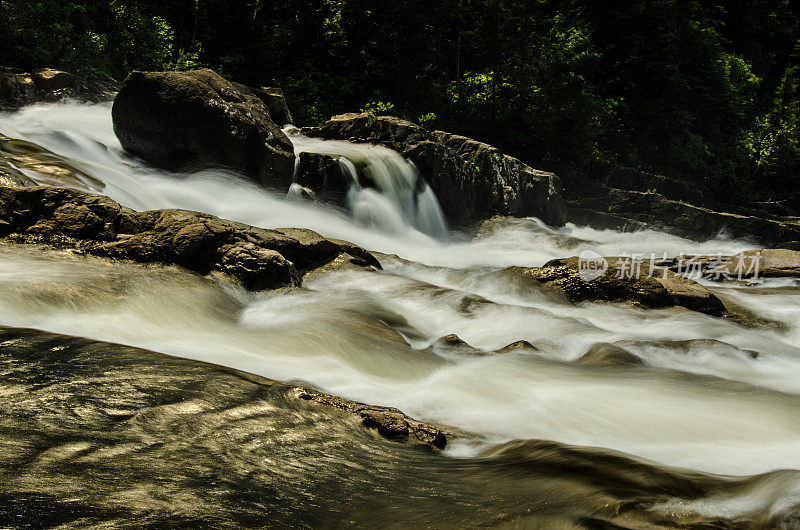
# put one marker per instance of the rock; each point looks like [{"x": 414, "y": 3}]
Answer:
[
  {"x": 324, "y": 175},
  {"x": 619, "y": 283},
  {"x": 178, "y": 119},
  {"x": 302, "y": 193},
  {"x": 49, "y": 80},
  {"x": 502, "y": 226},
  {"x": 518, "y": 345},
  {"x": 94, "y": 224},
  {"x": 44, "y": 167},
  {"x": 389, "y": 422},
  {"x": 19, "y": 88},
  {"x": 747, "y": 265},
  {"x": 11, "y": 176},
  {"x": 622, "y": 208},
  {"x": 276, "y": 104},
  {"x": 688, "y": 347},
  {"x": 472, "y": 180},
  {"x": 452, "y": 340},
  {"x": 101, "y": 435},
  {"x": 597, "y": 178},
  {"x": 761, "y": 263},
  {"x": 606, "y": 354}
]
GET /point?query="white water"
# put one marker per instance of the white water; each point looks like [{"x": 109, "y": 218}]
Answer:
[
  {"x": 395, "y": 201},
  {"x": 711, "y": 407}
]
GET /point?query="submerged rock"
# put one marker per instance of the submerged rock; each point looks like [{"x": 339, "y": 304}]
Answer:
[
  {"x": 94, "y": 434},
  {"x": 633, "y": 210},
  {"x": 516, "y": 346},
  {"x": 472, "y": 180},
  {"x": 95, "y": 224},
  {"x": 179, "y": 119},
  {"x": 606, "y": 354},
  {"x": 389, "y": 422},
  {"x": 43, "y": 167},
  {"x": 618, "y": 284}
]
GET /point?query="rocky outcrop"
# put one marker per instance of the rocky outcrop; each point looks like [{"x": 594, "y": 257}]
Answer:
[
  {"x": 197, "y": 118},
  {"x": 632, "y": 210},
  {"x": 43, "y": 167},
  {"x": 622, "y": 283},
  {"x": 95, "y": 224},
  {"x": 94, "y": 434},
  {"x": 389, "y": 422},
  {"x": 472, "y": 180},
  {"x": 19, "y": 88},
  {"x": 322, "y": 174},
  {"x": 276, "y": 104}
]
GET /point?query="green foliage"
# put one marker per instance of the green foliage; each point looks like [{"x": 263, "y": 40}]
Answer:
[
  {"x": 85, "y": 37},
  {"x": 378, "y": 108},
  {"x": 427, "y": 120},
  {"x": 776, "y": 142},
  {"x": 704, "y": 91}
]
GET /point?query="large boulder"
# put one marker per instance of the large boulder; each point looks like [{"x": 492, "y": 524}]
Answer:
[
  {"x": 95, "y": 224},
  {"x": 471, "y": 179},
  {"x": 180, "y": 119},
  {"x": 624, "y": 209}
]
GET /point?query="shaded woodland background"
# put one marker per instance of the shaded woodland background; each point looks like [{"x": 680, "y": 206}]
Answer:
[{"x": 704, "y": 91}]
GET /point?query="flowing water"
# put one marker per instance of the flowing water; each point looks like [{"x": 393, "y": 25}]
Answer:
[{"x": 702, "y": 400}]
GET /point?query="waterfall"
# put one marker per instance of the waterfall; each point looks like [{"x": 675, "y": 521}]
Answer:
[
  {"x": 387, "y": 192},
  {"x": 697, "y": 400}
]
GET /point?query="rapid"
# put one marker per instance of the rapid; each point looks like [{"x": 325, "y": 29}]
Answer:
[{"x": 700, "y": 402}]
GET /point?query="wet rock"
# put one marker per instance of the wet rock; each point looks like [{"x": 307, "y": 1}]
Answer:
[
  {"x": 19, "y": 88},
  {"x": 95, "y": 224},
  {"x": 501, "y": 225},
  {"x": 472, "y": 180},
  {"x": 691, "y": 346},
  {"x": 620, "y": 285},
  {"x": 452, "y": 340},
  {"x": 606, "y": 354},
  {"x": 94, "y": 434},
  {"x": 44, "y": 167},
  {"x": 50, "y": 80},
  {"x": 747, "y": 265},
  {"x": 276, "y": 104},
  {"x": 180, "y": 119},
  {"x": 518, "y": 345},
  {"x": 453, "y": 347},
  {"x": 323, "y": 174},
  {"x": 622, "y": 209},
  {"x": 389, "y": 422},
  {"x": 763, "y": 263}
]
